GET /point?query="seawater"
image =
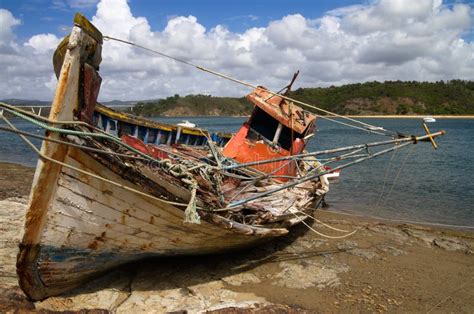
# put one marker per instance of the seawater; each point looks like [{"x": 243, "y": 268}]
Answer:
[{"x": 415, "y": 183}]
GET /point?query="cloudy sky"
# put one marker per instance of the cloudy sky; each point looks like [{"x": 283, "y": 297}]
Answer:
[{"x": 263, "y": 42}]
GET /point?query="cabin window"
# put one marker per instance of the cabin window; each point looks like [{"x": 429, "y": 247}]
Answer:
[
  {"x": 104, "y": 122},
  {"x": 182, "y": 138},
  {"x": 200, "y": 140},
  {"x": 286, "y": 136},
  {"x": 264, "y": 125},
  {"x": 152, "y": 135},
  {"x": 125, "y": 129},
  {"x": 171, "y": 138},
  {"x": 164, "y": 138},
  {"x": 95, "y": 119},
  {"x": 142, "y": 133},
  {"x": 112, "y": 125},
  {"x": 192, "y": 140}
]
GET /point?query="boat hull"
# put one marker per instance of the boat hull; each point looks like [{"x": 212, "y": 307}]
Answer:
[{"x": 92, "y": 226}]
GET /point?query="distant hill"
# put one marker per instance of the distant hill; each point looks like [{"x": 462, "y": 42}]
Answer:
[
  {"x": 25, "y": 102},
  {"x": 455, "y": 97},
  {"x": 32, "y": 103},
  {"x": 118, "y": 103},
  {"x": 371, "y": 98},
  {"x": 194, "y": 105},
  {"x": 393, "y": 97}
]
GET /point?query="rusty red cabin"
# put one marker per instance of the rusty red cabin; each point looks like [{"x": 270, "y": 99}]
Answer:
[{"x": 277, "y": 128}]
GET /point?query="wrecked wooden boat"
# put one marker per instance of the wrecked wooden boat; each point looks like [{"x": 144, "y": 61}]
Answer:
[
  {"x": 111, "y": 188},
  {"x": 90, "y": 210}
]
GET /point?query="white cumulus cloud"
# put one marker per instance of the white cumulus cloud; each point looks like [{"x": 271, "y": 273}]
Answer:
[
  {"x": 382, "y": 40},
  {"x": 42, "y": 43},
  {"x": 7, "y": 22}
]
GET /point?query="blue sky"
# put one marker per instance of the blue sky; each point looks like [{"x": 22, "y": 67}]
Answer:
[
  {"x": 332, "y": 43},
  {"x": 48, "y": 16}
]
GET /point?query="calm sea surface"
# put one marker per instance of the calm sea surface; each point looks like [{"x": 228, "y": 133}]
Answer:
[{"x": 415, "y": 183}]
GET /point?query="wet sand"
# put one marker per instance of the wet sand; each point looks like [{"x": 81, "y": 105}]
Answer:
[{"x": 383, "y": 267}]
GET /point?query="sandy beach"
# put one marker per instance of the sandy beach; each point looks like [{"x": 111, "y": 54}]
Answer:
[{"x": 383, "y": 267}]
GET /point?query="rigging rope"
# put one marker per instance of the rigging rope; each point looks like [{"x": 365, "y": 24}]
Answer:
[
  {"x": 325, "y": 235},
  {"x": 44, "y": 138},
  {"x": 366, "y": 127},
  {"x": 34, "y": 120},
  {"x": 385, "y": 179},
  {"x": 319, "y": 221},
  {"x": 42, "y": 156},
  {"x": 398, "y": 173}
]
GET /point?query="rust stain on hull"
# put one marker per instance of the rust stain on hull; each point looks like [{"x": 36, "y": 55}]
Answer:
[{"x": 58, "y": 100}]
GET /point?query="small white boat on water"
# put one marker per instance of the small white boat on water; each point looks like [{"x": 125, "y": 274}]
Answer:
[
  {"x": 187, "y": 124},
  {"x": 429, "y": 119}
]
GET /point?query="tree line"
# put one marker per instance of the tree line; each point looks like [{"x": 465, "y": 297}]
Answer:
[{"x": 454, "y": 97}]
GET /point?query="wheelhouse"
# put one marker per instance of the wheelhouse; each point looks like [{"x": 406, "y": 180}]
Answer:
[{"x": 276, "y": 128}]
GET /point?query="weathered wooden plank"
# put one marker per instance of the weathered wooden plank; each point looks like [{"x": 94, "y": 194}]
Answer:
[
  {"x": 80, "y": 235},
  {"x": 136, "y": 209},
  {"x": 109, "y": 232},
  {"x": 112, "y": 192},
  {"x": 105, "y": 218},
  {"x": 159, "y": 226},
  {"x": 115, "y": 194}
]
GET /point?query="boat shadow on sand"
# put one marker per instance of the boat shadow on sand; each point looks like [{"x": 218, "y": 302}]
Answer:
[{"x": 181, "y": 272}]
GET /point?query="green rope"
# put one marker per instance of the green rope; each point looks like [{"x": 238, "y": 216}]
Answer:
[
  {"x": 177, "y": 170},
  {"x": 79, "y": 133}
]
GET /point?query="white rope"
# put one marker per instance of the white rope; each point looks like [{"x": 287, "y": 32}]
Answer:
[
  {"x": 325, "y": 235},
  {"x": 319, "y": 221}
]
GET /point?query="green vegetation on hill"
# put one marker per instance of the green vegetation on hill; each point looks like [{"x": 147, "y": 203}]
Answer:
[
  {"x": 194, "y": 105},
  {"x": 392, "y": 97}
]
